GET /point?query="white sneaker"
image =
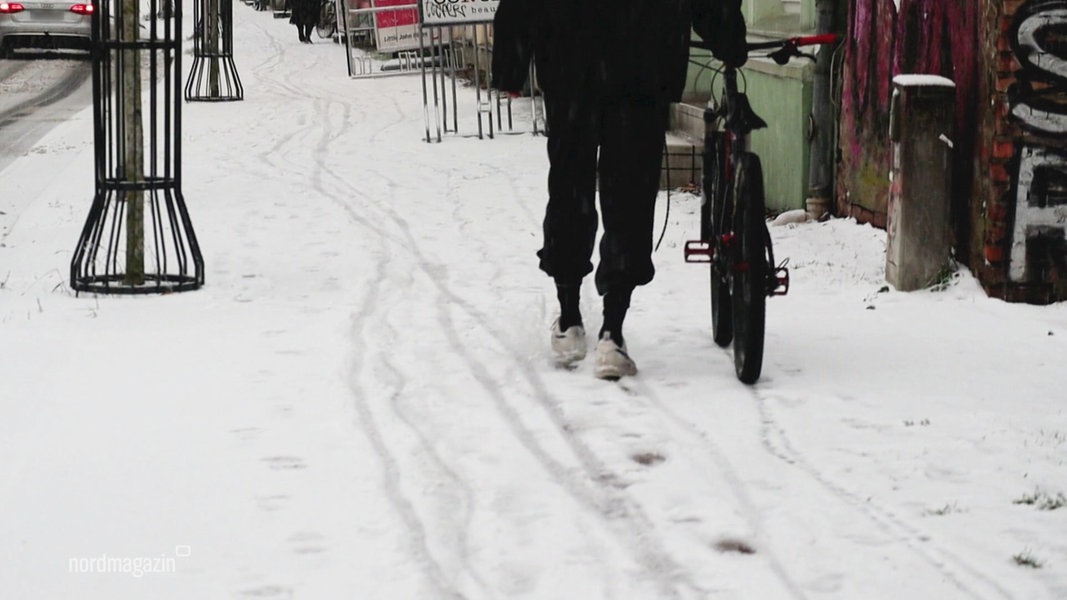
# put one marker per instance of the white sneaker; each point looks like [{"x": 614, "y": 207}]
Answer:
[
  {"x": 612, "y": 362},
  {"x": 568, "y": 346}
]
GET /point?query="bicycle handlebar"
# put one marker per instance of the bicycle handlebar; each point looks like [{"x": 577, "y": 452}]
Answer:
[
  {"x": 797, "y": 42},
  {"x": 784, "y": 48}
]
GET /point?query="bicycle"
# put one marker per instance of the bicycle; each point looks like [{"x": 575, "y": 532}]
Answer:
[
  {"x": 327, "y": 25},
  {"x": 734, "y": 238}
]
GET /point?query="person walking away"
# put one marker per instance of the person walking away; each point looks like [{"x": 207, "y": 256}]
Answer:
[
  {"x": 609, "y": 70},
  {"x": 304, "y": 14}
]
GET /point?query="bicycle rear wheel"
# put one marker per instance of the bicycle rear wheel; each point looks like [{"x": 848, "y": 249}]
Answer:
[
  {"x": 749, "y": 281},
  {"x": 714, "y": 220},
  {"x": 327, "y": 25}
]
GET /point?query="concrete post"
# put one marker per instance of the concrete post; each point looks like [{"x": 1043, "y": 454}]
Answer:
[{"x": 921, "y": 131}]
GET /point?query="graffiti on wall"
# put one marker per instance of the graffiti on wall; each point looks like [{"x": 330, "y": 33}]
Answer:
[
  {"x": 892, "y": 37},
  {"x": 1038, "y": 103}
]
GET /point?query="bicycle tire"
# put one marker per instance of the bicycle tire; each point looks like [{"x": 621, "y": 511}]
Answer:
[
  {"x": 713, "y": 218},
  {"x": 749, "y": 281},
  {"x": 327, "y": 25}
]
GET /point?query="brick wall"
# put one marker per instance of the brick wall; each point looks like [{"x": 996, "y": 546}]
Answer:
[
  {"x": 1025, "y": 210},
  {"x": 937, "y": 37}
]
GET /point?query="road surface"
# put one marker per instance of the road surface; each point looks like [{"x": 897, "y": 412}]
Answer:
[{"x": 37, "y": 92}]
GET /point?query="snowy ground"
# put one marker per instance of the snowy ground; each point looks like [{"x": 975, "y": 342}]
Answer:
[{"x": 360, "y": 403}]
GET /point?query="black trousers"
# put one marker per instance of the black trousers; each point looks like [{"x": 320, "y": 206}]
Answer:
[{"x": 622, "y": 142}]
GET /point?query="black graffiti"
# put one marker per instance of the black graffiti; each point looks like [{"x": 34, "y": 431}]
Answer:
[
  {"x": 1038, "y": 103},
  {"x": 1039, "y": 41},
  {"x": 451, "y": 10}
]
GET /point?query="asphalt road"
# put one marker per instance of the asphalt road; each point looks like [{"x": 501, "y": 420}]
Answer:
[{"x": 37, "y": 92}]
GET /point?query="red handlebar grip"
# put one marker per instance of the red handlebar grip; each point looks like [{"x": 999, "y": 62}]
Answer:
[{"x": 815, "y": 40}]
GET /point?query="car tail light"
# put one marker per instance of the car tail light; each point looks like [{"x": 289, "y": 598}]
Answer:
[
  {"x": 83, "y": 9},
  {"x": 7, "y": 8}
]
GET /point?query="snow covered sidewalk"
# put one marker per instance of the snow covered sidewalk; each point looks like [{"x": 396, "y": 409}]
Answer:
[{"x": 360, "y": 403}]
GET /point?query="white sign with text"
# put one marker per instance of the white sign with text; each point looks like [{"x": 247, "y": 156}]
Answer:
[{"x": 457, "y": 12}]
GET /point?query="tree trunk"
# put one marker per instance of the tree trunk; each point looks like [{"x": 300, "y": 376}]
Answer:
[{"x": 133, "y": 145}]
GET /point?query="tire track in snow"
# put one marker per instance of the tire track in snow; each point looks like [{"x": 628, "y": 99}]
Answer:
[
  {"x": 684, "y": 428},
  {"x": 266, "y": 72},
  {"x": 775, "y": 440},
  {"x": 367, "y": 311},
  {"x": 318, "y": 119},
  {"x": 593, "y": 486},
  {"x": 398, "y": 117},
  {"x": 273, "y": 59},
  {"x": 614, "y": 507},
  {"x": 884, "y": 519},
  {"x": 516, "y": 195},
  {"x": 269, "y": 66},
  {"x": 319, "y": 123},
  {"x": 375, "y": 326}
]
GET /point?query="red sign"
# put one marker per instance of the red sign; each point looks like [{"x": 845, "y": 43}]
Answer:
[{"x": 396, "y": 18}]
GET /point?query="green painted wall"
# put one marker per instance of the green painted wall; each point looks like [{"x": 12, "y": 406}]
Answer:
[
  {"x": 782, "y": 96},
  {"x": 779, "y": 16},
  {"x": 784, "y": 102}
]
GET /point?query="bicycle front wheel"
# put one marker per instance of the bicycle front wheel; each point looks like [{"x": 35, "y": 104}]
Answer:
[
  {"x": 714, "y": 220},
  {"x": 749, "y": 280},
  {"x": 327, "y": 25}
]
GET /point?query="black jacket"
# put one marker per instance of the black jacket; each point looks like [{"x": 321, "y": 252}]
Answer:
[
  {"x": 303, "y": 12},
  {"x": 611, "y": 48}
]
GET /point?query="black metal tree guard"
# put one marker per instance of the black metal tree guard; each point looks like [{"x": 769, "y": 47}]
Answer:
[
  {"x": 213, "y": 75},
  {"x": 138, "y": 238}
]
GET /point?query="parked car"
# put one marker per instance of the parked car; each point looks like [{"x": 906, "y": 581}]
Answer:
[{"x": 45, "y": 24}]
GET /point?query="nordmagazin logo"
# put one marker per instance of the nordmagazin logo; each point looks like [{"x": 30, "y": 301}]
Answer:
[{"x": 137, "y": 566}]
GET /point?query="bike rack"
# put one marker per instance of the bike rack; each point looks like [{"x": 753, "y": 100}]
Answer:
[
  {"x": 213, "y": 75},
  {"x": 138, "y": 238}
]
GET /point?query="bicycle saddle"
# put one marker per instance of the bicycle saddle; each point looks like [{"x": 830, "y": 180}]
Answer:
[{"x": 741, "y": 116}]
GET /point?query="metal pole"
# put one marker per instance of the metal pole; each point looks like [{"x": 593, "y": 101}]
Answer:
[
  {"x": 452, "y": 63},
  {"x": 821, "y": 168},
  {"x": 477, "y": 81},
  {"x": 436, "y": 67},
  {"x": 422, "y": 70},
  {"x": 346, "y": 34},
  {"x": 488, "y": 83}
]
